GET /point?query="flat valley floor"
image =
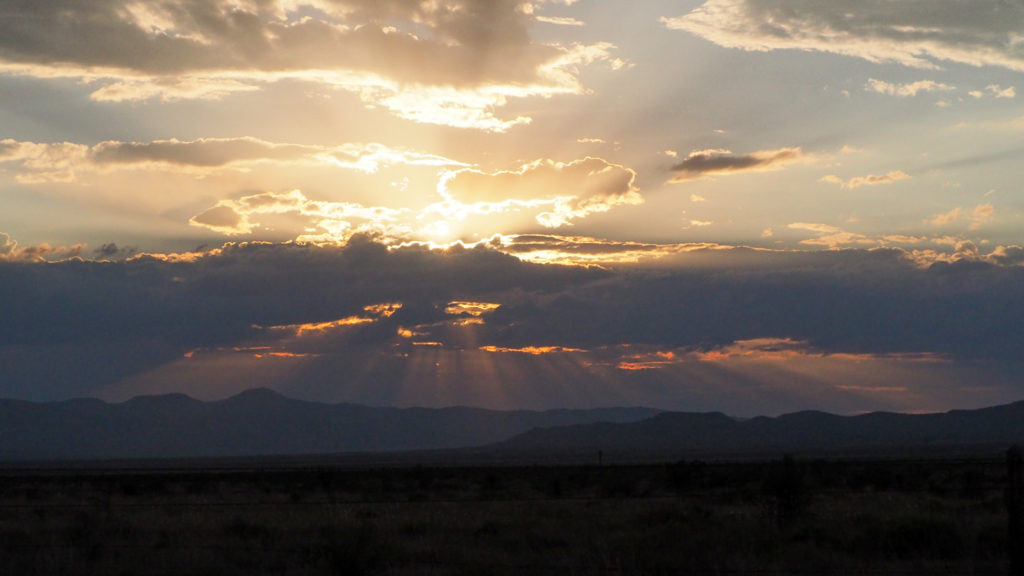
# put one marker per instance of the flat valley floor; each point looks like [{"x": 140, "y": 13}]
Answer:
[{"x": 785, "y": 516}]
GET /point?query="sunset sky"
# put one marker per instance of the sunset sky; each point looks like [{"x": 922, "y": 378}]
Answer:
[{"x": 753, "y": 206}]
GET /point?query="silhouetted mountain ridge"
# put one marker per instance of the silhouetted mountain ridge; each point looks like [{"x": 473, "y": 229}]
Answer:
[
  {"x": 714, "y": 433},
  {"x": 258, "y": 422},
  {"x": 263, "y": 422}
]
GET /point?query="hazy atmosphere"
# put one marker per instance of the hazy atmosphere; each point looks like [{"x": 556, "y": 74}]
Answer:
[{"x": 750, "y": 206}]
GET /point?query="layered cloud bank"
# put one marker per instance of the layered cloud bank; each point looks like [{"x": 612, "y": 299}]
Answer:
[
  {"x": 450, "y": 63},
  {"x": 765, "y": 332},
  {"x": 916, "y": 33}
]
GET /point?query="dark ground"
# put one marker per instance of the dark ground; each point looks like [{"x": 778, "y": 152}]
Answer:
[{"x": 786, "y": 516}]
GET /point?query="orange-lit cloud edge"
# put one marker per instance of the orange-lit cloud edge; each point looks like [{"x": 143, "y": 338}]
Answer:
[
  {"x": 623, "y": 357},
  {"x": 570, "y": 250}
]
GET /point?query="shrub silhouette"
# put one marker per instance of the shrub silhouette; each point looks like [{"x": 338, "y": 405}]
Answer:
[{"x": 788, "y": 490}]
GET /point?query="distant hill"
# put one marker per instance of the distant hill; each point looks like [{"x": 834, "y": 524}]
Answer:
[
  {"x": 261, "y": 422},
  {"x": 258, "y": 422},
  {"x": 696, "y": 434}
]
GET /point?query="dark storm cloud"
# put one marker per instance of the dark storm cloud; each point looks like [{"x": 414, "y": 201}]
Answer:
[
  {"x": 861, "y": 305},
  {"x": 76, "y": 325},
  {"x": 215, "y": 298}
]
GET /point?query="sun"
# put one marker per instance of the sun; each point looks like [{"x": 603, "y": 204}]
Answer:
[{"x": 439, "y": 232}]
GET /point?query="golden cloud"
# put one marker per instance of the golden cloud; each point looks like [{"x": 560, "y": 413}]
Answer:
[
  {"x": 531, "y": 350},
  {"x": 459, "y": 307},
  {"x": 560, "y": 191},
  {"x": 60, "y": 162},
  {"x": 870, "y": 180}
]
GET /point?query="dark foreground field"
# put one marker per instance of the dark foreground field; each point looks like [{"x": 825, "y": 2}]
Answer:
[{"x": 780, "y": 517}]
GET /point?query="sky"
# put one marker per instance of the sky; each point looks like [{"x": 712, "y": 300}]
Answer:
[{"x": 750, "y": 206}]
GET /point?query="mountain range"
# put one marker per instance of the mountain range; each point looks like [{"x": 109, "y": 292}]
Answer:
[
  {"x": 261, "y": 422},
  {"x": 808, "y": 432},
  {"x": 258, "y": 422}
]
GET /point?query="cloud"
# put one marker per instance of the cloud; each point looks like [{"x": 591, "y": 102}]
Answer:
[
  {"x": 945, "y": 218},
  {"x": 586, "y": 251},
  {"x": 914, "y": 33},
  {"x": 869, "y": 180},
  {"x": 112, "y": 251},
  {"x": 44, "y": 162},
  {"x": 834, "y": 238},
  {"x": 1007, "y": 255},
  {"x": 718, "y": 161},
  {"x": 814, "y": 227},
  {"x": 555, "y": 193},
  {"x": 62, "y": 162},
  {"x": 7, "y": 245},
  {"x": 323, "y": 221},
  {"x": 223, "y": 218},
  {"x": 453, "y": 63},
  {"x": 999, "y": 92},
  {"x": 561, "y": 191},
  {"x": 996, "y": 91},
  {"x": 981, "y": 215},
  {"x": 906, "y": 90},
  {"x": 11, "y": 252},
  {"x": 561, "y": 21},
  {"x": 342, "y": 323},
  {"x": 976, "y": 219}
]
